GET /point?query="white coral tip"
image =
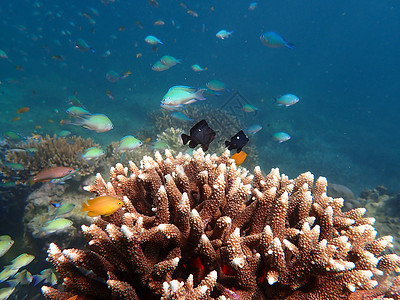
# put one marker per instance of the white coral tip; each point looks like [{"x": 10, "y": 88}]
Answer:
[
  {"x": 351, "y": 287},
  {"x": 272, "y": 280},
  {"x": 238, "y": 262}
]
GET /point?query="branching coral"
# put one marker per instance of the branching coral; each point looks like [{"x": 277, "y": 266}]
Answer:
[
  {"x": 201, "y": 228},
  {"x": 50, "y": 151}
]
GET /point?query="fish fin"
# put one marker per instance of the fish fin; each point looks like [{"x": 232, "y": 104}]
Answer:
[
  {"x": 227, "y": 143},
  {"x": 185, "y": 138},
  {"x": 85, "y": 207},
  {"x": 91, "y": 201},
  {"x": 204, "y": 147},
  {"x": 289, "y": 45},
  {"x": 238, "y": 150},
  {"x": 192, "y": 144},
  {"x": 92, "y": 214},
  {"x": 199, "y": 94},
  {"x": 12, "y": 283},
  {"x": 36, "y": 279},
  {"x": 122, "y": 157}
]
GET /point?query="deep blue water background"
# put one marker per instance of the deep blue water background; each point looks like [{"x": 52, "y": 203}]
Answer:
[{"x": 345, "y": 68}]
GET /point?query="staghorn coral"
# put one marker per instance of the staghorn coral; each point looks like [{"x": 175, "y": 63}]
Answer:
[
  {"x": 50, "y": 151},
  {"x": 201, "y": 228}
]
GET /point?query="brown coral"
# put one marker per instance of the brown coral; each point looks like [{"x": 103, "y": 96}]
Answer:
[
  {"x": 50, "y": 151},
  {"x": 201, "y": 228}
]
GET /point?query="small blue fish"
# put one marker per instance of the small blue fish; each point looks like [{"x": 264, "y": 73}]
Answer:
[
  {"x": 253, "y": 5},
  {"x": 181, "y": 117},
  {"x": 81, "y": 45},
  {"x": 253, "y": 129},
  {"x": 274, "y": 40},
  {"x": 281, "y": 137},
  {"x": 287, "y": 100},
  {"x": 249, "y": 108}
]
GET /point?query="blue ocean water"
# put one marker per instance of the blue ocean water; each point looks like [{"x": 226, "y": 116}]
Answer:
[{"x": 344, "y": 68}]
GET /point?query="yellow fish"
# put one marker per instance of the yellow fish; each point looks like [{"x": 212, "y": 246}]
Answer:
[
  {"x": 239, "y": 157},
  {"x": 102, "y": 206}
]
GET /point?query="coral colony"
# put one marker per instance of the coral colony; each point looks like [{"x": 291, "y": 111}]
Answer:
[{"x": 201, "y": 228}]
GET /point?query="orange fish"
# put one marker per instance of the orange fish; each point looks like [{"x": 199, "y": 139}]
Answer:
[
  {"x": 102, "y": 206},
  {"x": 139, "y": 55},
  {"x": 47, "y": 175},
  {"x": 239, "y": 157},
  {"x": 23, "y": 110},
  {"x": 147, "y": 140},
  {"x": 16, "y": 119},
  {"x": 73, "y": 297}
]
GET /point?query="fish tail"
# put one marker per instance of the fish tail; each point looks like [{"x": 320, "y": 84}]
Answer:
[
  {"x": 185, "y": 138},
  {"x": 37, "y": 279},
  {"x": 199, "y": 94},
  {"x": 290, "y": 45},
  {"x": 227, "y": 143},
  {"x": 78, "y": 121},
  {"x": 85, "y": 207}
]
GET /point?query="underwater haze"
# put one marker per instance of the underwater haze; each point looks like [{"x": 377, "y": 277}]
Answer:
[{"x": 340, "y": 58}]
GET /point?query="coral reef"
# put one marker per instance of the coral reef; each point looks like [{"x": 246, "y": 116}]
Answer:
[
  {"x": 200, "y": 228},
  {"x": 49, "y": 151},
  {"x": 384, "y": 207}
]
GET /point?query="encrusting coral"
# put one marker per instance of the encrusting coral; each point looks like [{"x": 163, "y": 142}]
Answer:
[
  {"x": 50, "y": 151},
  {"x": 200, "y": 228}
]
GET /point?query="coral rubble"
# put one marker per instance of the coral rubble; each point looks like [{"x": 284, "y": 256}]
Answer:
[{"x": 200, "y": 228}]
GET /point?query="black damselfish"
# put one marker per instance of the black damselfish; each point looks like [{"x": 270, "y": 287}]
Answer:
[
  {"x": 201, "y": 134},
  {"x": 238, "y": 141}
]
